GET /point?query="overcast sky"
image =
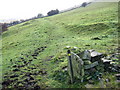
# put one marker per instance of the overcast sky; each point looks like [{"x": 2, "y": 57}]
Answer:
[{"x": 23, "y": 9}]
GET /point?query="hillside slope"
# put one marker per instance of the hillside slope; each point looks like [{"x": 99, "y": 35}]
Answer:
[{"x": 34, "y": 50}]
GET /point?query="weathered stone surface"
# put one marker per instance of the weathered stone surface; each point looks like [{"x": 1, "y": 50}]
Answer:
[
  {"x": 94, "y": 53},
  {"x": 95, "y": 56},
  {"x": 91, "y": 55},
  {"x": 87, "y": 62},
  {"x": 91, "y": 65},
  {"x": 91, "y": 59},
  {"x": 86, "y": 55},
  {"x": 106, "y": 60}
]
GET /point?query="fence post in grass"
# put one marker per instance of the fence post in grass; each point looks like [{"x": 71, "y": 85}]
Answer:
[{"x": 70, "y": 65}]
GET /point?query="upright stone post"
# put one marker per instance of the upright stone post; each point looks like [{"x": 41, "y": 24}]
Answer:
[{"x": 70, "y": 65}]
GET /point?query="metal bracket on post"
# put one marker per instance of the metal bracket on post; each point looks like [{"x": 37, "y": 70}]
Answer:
[{"x": 71, "y": 68}]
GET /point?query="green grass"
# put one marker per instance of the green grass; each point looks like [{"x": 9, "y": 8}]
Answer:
[{"x": 73, "y": 28}]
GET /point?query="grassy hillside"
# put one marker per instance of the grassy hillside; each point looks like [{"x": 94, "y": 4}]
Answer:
[{"x": 36, "y": 48}]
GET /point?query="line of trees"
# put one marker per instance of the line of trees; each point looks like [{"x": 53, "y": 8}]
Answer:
[{"x": 53, "y": 12}]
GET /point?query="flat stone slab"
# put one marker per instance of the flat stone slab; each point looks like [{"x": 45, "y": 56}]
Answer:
[
  {"x": 94, "y": 53},
  {"x": 91, "y": 65},
  {"x": 106, "y": 60}
]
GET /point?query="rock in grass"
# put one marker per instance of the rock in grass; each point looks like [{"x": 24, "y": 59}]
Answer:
[
  {"x": 67, "y": 47},
  {"x": 96, "y": 38}
]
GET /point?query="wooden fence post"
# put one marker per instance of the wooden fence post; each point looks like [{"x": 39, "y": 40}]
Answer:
[{"x": 71, "y": 67}]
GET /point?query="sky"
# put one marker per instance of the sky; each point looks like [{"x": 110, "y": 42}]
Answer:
[{"x": 23, "y": 9}]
